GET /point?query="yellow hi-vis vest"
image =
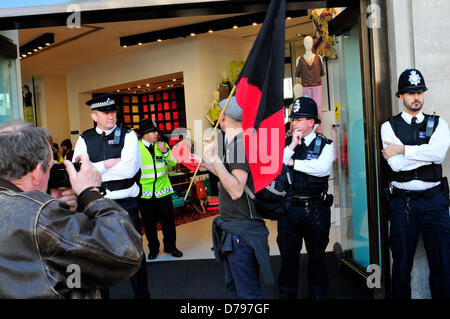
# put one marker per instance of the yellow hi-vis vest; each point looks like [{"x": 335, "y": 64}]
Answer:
[{"x": 154, "y": 172}]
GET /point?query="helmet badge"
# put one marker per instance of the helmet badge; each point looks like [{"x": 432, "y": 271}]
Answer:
[
  {"x": 414, "y": 78},
  {"x": 296, "y": 106}
]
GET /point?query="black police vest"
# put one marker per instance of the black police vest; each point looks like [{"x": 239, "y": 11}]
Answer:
[
  {"x": 101, "y": 147},
  {"x": 415, "y": 135},
  {"x": 304, "y": 184}
]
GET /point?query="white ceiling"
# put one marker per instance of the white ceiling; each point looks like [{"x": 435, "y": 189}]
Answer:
[{"x": 104, "y": 43}]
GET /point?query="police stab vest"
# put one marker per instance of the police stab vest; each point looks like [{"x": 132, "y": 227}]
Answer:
[
  {"x": 102, "y": 147},
  {"x": 416, "y": 135},
  {"x": 304, "y": 184}
]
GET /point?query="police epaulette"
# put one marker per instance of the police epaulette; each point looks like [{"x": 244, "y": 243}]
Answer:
[{"x": 325, "y": 139}]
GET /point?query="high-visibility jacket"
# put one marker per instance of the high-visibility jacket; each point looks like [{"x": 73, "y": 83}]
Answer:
[{"x": 154, "y": 171}]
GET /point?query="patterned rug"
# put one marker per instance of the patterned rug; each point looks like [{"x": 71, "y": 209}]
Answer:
[{"x": 187, "y": 214}]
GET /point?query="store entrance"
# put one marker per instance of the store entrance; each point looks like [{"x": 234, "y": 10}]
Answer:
[{"x": 202, "y": 63}]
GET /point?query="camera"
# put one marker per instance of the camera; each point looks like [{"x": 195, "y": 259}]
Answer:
[{"x": 59, "y": 176}]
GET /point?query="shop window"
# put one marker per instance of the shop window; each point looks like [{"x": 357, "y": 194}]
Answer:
[
  {"x": 159, "y": 107},
  {"x": 145, "y": 110},
  {"x": 126, "y": 109},
  {"x": 135, "y": 109},
  {"x": 161, "y": 126},
  {"x": 165, "y": 96},
  {"x": 166, "y": 105},
  {"x": 152, "y": 107}
]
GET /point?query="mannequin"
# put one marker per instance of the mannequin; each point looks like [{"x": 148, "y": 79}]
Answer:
[
  {"x": 310, "y": 71},
  {"x": 224, "y": 86}
]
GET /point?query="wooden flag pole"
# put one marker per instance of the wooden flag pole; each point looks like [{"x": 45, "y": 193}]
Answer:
[{"x": 212, "y": 137}]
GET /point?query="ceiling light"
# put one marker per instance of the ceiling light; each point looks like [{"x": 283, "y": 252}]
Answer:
[
  {"x": 254, "y": 23},
  {"x": 125, "y": 46},
  {"x": 118, "y": 91},
  {"x": 174, "y": 80},
  {"x": 159, "y": 40},
  {"x": 140, "y": 43},
  {"x": 192, "y": 34},
  {"x": 210, "y": 31},
  {"x": 235, "y": 26},
  {"x": 288, "y": 18},
  {"x": 37, "y": 44}
]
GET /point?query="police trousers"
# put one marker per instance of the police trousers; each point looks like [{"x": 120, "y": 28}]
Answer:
[
  {"x": 409, "y": 218},
  {"x": 312, "y": 224},
  {"x": 151, "y": 210}
]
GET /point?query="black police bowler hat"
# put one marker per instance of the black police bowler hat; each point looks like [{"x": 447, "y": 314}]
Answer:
[
  {"x": 305, "y": 107},
  {"x": 411, "y": 81},
  {"x": 103, "y": 103},
  {"x": 147, "y": 125}
]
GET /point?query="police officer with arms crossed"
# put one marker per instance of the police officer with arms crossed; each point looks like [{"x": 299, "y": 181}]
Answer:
[
  {"x": 414, "y": 145},
  {"x": 156, "y": 199},
  {"x": 310, "y": 158},
  {"x": 114, "y": 152}
]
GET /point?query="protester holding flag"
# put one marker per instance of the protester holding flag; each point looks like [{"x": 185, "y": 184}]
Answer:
[
  {"x": 310, "y": 158},
  {"x": 240, "y": 235},
  {"x": 253, "y": 123}
]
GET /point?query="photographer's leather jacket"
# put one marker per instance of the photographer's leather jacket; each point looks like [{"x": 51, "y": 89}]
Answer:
[{"x": 40, "y": 238}]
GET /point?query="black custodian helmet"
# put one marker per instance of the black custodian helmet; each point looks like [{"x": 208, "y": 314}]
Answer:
[
  {"x": 411, "y": 81},
  {"x": 305, "y": 107}
]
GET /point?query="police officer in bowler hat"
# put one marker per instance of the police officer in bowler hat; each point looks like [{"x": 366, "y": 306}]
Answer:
[
  {"x": 310, "y": 157},
  {"x": 415, "y": 145},
  {"x": 156, "y": 199},
  {"x": 114, "y": 151}
]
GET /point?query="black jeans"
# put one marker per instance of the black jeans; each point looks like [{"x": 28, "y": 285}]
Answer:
[
  {"x": 314, "y": 227},
  {"x": 151, "y": 209},
  {"x": 408, "y": 218}
]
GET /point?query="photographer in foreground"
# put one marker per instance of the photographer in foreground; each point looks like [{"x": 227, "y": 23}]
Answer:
[{"x": 41, "y": 236}]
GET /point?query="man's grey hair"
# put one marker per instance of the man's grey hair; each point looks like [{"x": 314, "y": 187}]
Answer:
[{"x": 22, "y": 146}]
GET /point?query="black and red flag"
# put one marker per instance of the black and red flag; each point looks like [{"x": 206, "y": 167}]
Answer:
[{"x": 260, "y": 95}]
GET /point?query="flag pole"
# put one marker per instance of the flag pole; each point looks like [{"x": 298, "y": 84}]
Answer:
[{"x": 212, "y": 137}]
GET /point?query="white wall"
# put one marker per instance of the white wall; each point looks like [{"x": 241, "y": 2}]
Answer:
[
  {"x": 417, "y": 38},
  {"x": 202, "y": 61}
]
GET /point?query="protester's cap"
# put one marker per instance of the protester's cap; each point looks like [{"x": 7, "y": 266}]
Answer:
[
  {"x": 411, "y": 81},
  {"x": 103, "y": 103},
  {"x": 233, "y": 109},
  {"x": 305, "y": 107},
  {"x": 147, "y": 125}
]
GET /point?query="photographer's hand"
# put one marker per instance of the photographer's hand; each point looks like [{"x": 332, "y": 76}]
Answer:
[
  {"x": 87, "y": 176},
  {"x": 67, "y": 195}
]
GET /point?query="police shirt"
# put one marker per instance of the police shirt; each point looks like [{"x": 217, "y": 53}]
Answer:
[
  {"x": 417, "y": 155},
  {"x": 320, "y": 166},
  {"x": 128, "y": 166}
]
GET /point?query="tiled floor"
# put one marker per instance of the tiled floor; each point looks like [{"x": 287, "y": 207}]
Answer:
[{"x": 195, "y": 241}]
